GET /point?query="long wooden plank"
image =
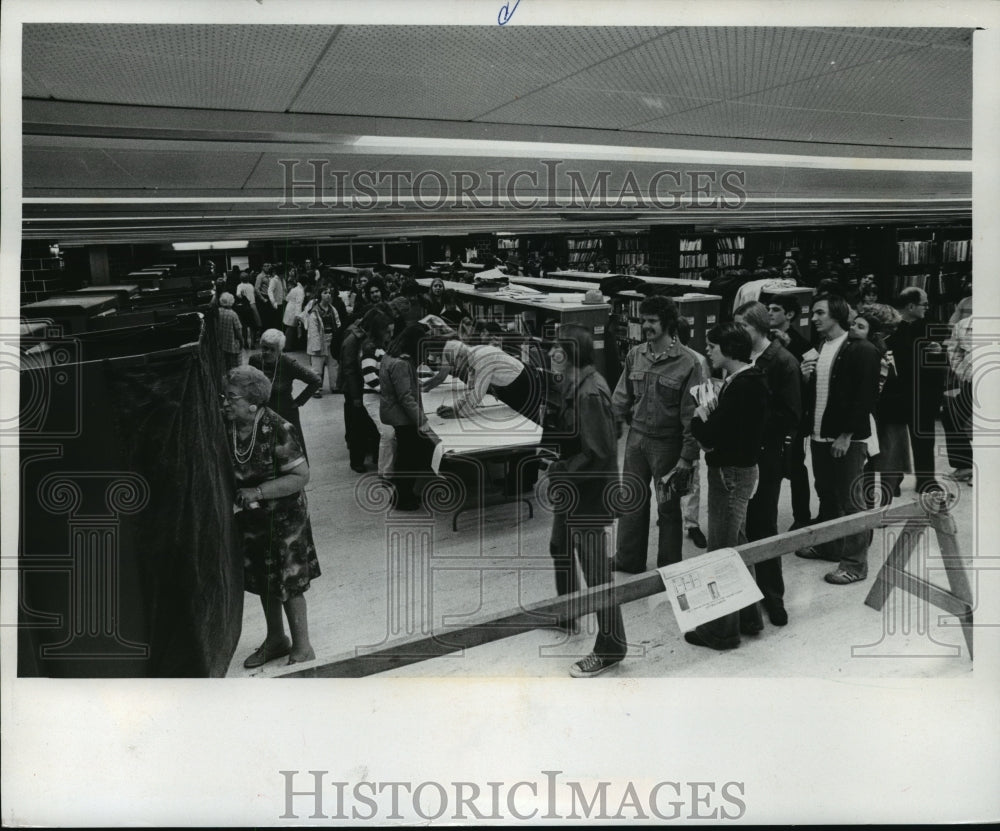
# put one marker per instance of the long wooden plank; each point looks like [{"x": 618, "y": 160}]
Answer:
[{"x": 494, "y": 627}]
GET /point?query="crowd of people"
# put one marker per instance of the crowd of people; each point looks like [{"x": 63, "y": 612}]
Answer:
[{"x": 861, "y": 392}]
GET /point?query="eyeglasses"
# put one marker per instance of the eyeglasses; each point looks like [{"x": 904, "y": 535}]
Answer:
[{"x": 231, "y": 397}]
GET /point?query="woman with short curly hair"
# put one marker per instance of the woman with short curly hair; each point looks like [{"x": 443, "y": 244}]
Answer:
[{"x": 279, "y": 557}]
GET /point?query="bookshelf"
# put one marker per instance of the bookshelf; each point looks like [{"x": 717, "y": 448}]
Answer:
[
  {"x": 583, "y": 250},
  {"x": 693, "y": 255},
  {"x": 729, "y": 250},
  {"x": 701, "y": 310},
  {"x": 632, "y": 252},
  {"x": 719, "y": 251},
  {"x": 937, "y": 260}
]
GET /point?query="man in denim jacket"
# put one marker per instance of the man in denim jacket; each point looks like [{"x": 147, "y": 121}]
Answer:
[{"x": 654, "y": 396}]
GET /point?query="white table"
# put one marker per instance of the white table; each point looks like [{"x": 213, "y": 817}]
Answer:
[{"x": 491, "y": 431}]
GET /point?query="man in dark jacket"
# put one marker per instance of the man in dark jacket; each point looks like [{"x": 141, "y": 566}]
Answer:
[
  {"x": 783, "y": 311},
  {"x": 784, "y": 384},
  {"x": 588, "y": 466},
  {"x": 917, "y": 396},
  {"x": 843, "y": 392}
]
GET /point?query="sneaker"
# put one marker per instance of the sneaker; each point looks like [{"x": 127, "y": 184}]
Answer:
[
  {"x": 843, "y": 578},
  {"x": 318, "y": 394},
  {"x": 592, "y": 666},
  {"x": 698, "y": 538},
  {"x": 810, "y": 553}
]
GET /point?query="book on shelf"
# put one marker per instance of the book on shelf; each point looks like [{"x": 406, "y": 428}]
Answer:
[
  {"x": 693, "y": 260},
  {"x": 687, "y": 244},
  {"x": 734, "y": 243},
  {"x": 915, "y": 252},
  {"x": 903, "y": 281},
  {"x": 956, "y": 251}
]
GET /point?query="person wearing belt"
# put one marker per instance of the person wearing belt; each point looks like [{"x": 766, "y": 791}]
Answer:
[{"x": 653, "y": 396}]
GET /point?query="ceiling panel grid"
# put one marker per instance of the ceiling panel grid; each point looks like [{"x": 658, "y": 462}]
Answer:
[{"x": 220, "y": 66}]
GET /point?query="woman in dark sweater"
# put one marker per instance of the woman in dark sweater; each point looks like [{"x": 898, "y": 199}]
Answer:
[{"x": 731, "y": 431}]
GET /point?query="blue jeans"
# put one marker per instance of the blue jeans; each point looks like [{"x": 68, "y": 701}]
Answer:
[
  {"x": 648, "y": 458},
  {"x": 729, "y": 490},
  {"x": 839, "y": 482}
]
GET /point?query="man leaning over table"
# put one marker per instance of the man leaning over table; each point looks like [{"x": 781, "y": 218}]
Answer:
[{"x": 654, "y": 397}]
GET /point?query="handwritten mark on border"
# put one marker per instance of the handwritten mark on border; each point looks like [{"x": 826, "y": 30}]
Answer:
[{"x": 507, "y": 13}]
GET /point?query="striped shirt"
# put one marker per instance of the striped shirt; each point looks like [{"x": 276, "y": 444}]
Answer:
[
  {"x": 370, "y": 362},
  {"x": 824, "y": 364}
]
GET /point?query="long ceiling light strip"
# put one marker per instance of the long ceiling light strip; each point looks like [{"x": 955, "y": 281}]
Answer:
[
  {"x": 519, "y": 200},
  {"x": 417, "y": 146}
]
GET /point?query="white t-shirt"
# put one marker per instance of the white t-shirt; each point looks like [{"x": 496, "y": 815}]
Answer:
[
  {"x": 827, "y": 352},
  {"x": 490, "y": 365}
]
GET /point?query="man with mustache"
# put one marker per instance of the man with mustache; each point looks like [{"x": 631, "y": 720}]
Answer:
[{"x": 654, "y": 396}]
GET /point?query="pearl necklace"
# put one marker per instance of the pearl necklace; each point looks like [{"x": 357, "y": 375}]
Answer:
[
  {"x": 274, "y": 372},
  {"x": 245, "y": 457}
]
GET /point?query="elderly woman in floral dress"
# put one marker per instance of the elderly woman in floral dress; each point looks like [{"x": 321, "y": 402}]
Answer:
[{"x": 279, "y": 557}]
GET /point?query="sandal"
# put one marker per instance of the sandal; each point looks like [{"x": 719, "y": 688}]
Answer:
[
  {"x": 262, "y": 655},
  {"x": 842, "y": 578}
]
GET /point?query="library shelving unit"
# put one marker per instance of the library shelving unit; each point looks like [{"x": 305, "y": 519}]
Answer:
[
  {"x": 537, "y": 317},
  {"x": 938, "y": 260},
  {"x": 693, "y": 255},
  {"x": 729, "y": 249},
  {"x": 507, "y": 246},
  {"x": 701, "y": 310},
  {"x": 633, "y": 251},
  {"x": 583, "y": 250}
]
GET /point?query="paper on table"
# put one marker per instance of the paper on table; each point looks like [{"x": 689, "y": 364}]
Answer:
[{"x": 708, "y": 586}]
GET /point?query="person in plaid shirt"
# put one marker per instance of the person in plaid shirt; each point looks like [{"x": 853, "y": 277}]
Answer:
[{"x": 230, "y": 331}]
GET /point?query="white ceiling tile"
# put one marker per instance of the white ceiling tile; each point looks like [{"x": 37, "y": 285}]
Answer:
[
  {"x": 452, "y": 72},
  {"x": 218, "y": 66}
]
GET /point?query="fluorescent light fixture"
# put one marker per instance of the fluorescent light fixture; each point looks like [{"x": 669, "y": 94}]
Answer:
[
  {"x": 486, "y": 148},
  {"x": 210, "y": 246}
]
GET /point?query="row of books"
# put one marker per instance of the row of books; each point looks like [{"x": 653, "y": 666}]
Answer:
[
  {"x": 583, "y": 256},
  {"x": 693, "y": 261},
  {"x": 689, "y": 244},
  {"x": 728, "y": 260},
  {"x": 729, "y": 243},
  {"x": 902, "y": 281},
  {"x": 630, "y": 243},
  {"x": 630, "y": 258},
  {"x": 956, "y": 251},
  {"x": 583, "y": 244},
  {"x": 916, "y": 251}
]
